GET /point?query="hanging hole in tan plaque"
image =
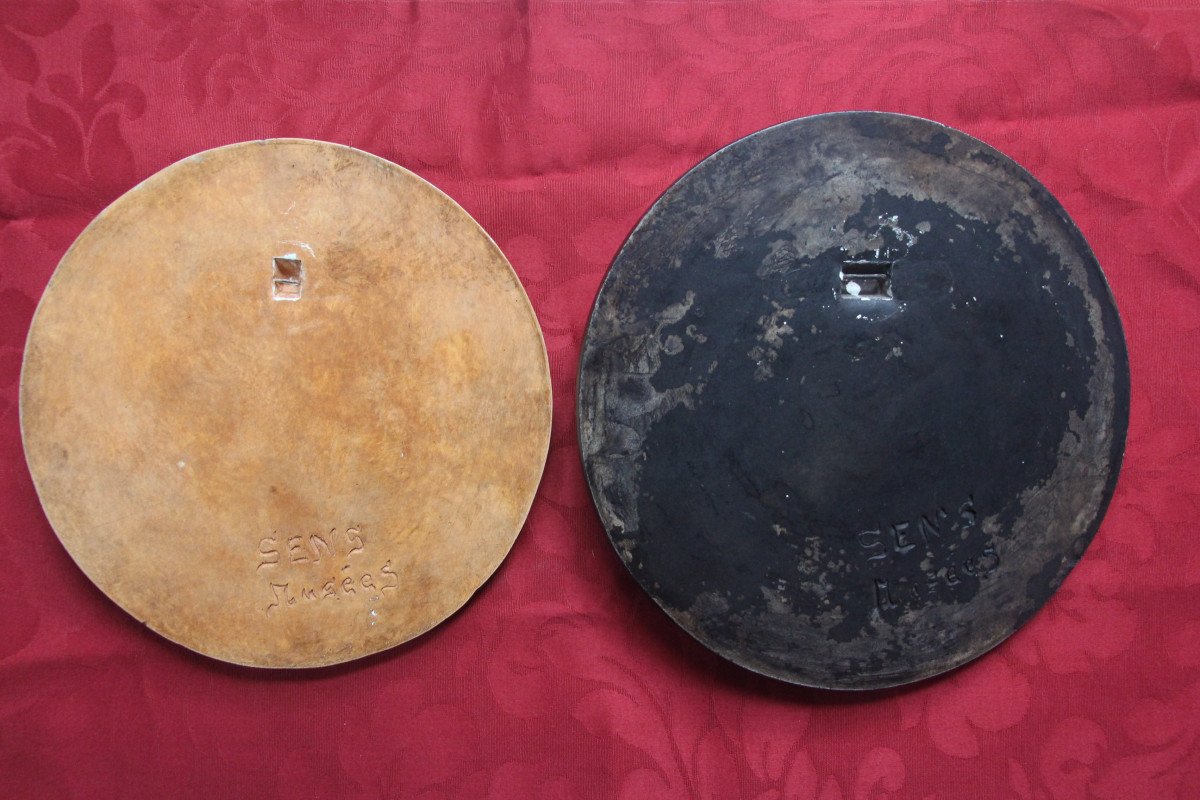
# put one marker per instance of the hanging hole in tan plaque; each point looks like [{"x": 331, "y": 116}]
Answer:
[{"x": 286, "y": 403}]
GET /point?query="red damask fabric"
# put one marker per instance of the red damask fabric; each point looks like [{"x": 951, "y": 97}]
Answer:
[{"x": 556, "y": 124}]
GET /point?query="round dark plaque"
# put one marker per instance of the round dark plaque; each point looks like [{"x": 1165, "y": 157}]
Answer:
[{"x": 853, "y": 399}]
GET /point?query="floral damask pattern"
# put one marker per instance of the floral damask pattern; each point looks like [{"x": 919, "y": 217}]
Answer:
[{"x": 556, "y": 124}]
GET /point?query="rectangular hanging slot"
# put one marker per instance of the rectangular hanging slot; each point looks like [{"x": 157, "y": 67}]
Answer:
[
  {"x": 866, "y": 277},
  {"x": 288, "y": 279}
]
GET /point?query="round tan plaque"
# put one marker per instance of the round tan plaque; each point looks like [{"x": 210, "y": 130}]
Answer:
[{"x": 286, "y": 403}]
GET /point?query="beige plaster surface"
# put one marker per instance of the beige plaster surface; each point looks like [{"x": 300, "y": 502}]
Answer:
[{"x": 276, "y": 463}]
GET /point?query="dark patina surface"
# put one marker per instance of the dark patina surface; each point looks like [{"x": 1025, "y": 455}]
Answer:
[{"x": 853, "y": 399}]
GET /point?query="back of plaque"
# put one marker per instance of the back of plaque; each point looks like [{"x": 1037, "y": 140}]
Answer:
[
  {"x": 286, "y": 403},
  {"x": 853, "y": 399}
]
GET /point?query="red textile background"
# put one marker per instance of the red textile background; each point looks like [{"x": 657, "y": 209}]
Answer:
[{"x": 556, "y": 125}]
